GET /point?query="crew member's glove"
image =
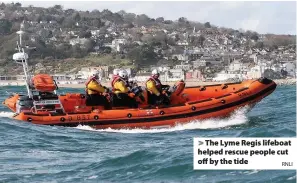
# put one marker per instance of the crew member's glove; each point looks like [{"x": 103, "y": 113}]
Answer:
[{"x": 130, "y": 94}]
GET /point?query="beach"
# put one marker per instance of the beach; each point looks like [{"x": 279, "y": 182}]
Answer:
[{"x": 77, "y": 84}]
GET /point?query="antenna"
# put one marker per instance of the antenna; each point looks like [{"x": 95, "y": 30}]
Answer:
[{"x": 21, "y": 58}]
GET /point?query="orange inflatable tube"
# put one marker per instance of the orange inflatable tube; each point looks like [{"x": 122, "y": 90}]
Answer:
[{"x": 187, "y": 104}]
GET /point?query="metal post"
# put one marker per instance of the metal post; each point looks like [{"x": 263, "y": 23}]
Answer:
[{"x": 24, "y": 62}]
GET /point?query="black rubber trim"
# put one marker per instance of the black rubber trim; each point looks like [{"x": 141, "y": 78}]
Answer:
[
  {"x": 242, "y": 89},
  {"x": 264, "y": 80},
  {"x": 197, "y": 102},
  {"x": 223, "y": 96},
  {"x": 30, "y": 113},
  {"x": 177, "y": 116},
  {"x": 205, "y": 86},
  {"x": 224, "y": 87}
]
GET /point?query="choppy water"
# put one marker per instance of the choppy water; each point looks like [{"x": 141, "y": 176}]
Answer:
[{"x": 32, "y": 153}]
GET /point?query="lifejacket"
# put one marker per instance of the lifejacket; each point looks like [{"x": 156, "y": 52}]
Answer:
[
  {"x": 157, "y": 82},
  {"x": 87, "y": 83},
  {"x": 116, "y": 79}
]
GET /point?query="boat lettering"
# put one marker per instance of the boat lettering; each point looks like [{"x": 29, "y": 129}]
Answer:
[
  {"x": 69, "y": 118},
  {"x": 149, "y": 112},
  {"x": 243, "y": 94},
  {"x": 47, "y": 102},
  {"x": 83, "y": 117}
]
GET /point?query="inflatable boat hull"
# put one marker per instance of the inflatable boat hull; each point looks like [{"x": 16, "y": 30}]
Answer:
[{"x": 203, "y": 102}]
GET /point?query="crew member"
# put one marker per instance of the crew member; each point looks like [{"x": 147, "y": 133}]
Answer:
[
  {"x": 123, "y": 95},
  {"x": 96, "y": 92},
  {"x": 114, "y": 76},
  {"x": 154, "y": 86}
]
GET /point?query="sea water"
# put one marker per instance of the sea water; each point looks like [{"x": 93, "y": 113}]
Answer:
[{"x": 36, "y": 153}]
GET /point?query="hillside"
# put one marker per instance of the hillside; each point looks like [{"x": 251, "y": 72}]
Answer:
[{"x": 67, "y": 38}]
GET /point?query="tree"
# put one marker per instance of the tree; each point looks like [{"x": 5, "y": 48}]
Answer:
[
  {"x": 207, "y": 25},
  {"x": 182, "y": 20},
  {"x": 143, "y": 55},
  {"x": 97, "y": 22},
  {"x": 68, "y": 22},
  {"x": 255, "y": 36},
  {"x": 89, "y": 44},
  {"x": 129, "y": 17},
  {"x": 76, "y": 16},
  {"x": 128, "y": 25},
  {"x": 161, "y": 37},
  {"x": 85, "y": 34},
  {"x": 95, "y": 13},
  {"x": 147, "y": 38},
  {"x": 18, "y": 4},
  {"x": 60, "y": 19},
  {"x": 58, "y": 7},
  {"x": 142, "y": 20},
  {"x": 5, "y": 26},
  {"x": 271, "y": 74},
  {"x": 103, "y": 30},
  {"x": 122, "y": 12},
  {"x": 168, "y": 22},
  {"x": 259, "y": 45},
  {"x": 160, "y": 20},
  {"x": 200, "y": 40},
  {"x": 117, "y": 18}
]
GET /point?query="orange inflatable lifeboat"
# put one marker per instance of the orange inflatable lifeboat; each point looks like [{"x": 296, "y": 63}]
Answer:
[
  {"x": 187, "y": 103},
  {"x": 43, "y": 106}
]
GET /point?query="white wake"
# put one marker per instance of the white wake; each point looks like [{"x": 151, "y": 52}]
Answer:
[
  {"x": 237, "y": 118},
  {"x": 6, "y": 114}
]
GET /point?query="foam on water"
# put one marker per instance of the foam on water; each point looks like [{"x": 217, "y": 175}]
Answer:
[
  {"x": 6, "y": 114},
  {"x": 237, "y": 118}
]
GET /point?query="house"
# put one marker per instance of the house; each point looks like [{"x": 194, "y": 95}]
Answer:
[
  {"x": 223, "y": 76},
  {"x": 255, "y": 72},
  {"x": 235, "y": 66},
  {"x": 85, "y": 72},
  {"x": 173, "y": 75},
  {"x": 181, "y": 57},
  {"x": 95, "y": 32},
  {"x": 198, "y": 63},
  {"x": 193, "y": 54},
  {"x": 211, "y": 60},
  {"x": 117, "y": 43},
  {"x": 77, "y": 40},
  {"x": 183, "y": 43},
  {"x": 61, "y": 77},
  {"x": 142, "y": 77},
  {"x": 185, "y": 67}
]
